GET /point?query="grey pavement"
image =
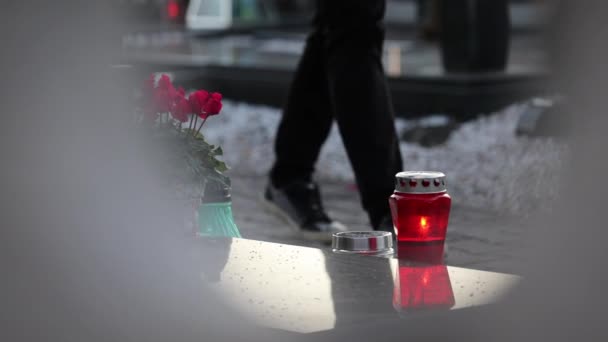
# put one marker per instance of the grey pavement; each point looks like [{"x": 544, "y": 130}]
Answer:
[{"x": 477, "y": 238}]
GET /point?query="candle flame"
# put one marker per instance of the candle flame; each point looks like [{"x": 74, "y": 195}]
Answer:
[{"x": 424, "y": 223}]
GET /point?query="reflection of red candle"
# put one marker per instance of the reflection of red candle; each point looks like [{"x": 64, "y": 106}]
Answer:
[
  {"x": 420, "y": 206},
  {"x": 427, "y": 253},
  {"x": 419, "y": 287}
]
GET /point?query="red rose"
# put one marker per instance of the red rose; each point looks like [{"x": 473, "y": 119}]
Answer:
[
  {"x": 181, "y": 109},
  {"x": 213, "y": 107},
  {"x": 214, "y": 104},
  {"x": 216, "y": 96},
  {"x": 197, "y": 100}
]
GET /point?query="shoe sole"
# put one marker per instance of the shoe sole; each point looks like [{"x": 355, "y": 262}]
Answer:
[{"x": 294, "y": 226}]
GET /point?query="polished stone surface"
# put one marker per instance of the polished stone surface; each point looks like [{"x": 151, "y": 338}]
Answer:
[{"x": 306, "y": 290}]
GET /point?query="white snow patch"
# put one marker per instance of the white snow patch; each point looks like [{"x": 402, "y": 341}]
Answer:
[{"x": 487, "y": 166}]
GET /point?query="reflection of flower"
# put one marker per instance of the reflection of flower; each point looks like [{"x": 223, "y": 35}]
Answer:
[
  {"x": 181, "y": 109},
  {"x": 164, "y": 94},
  {"x": 163, "y": 100},
  {"x": 181, "y": 92},
  {"x": 149, "y": 85},
  {"x": 214, "y": 257},
  {"x": 164, "y": 82}
]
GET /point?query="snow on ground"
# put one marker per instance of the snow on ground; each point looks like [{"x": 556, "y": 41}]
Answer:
[{"x": 486, "y": 165}]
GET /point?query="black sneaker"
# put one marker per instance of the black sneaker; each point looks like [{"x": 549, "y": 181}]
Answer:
[
  {"x": 386, "y": 224},
  {"x": 299, "y": 203}
]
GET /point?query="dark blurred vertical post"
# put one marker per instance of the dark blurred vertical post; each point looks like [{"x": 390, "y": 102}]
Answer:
[{"x": 475, "y": 35}]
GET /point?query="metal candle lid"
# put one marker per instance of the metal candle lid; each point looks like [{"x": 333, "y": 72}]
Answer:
[
  {"x": 420, "y": 182},
  {"x": 363, "y": 242}
]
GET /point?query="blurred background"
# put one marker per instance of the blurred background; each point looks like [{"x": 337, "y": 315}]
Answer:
[{"x": 470, "y": 83}]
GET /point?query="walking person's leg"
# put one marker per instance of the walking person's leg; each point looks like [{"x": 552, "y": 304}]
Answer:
[
  {"x": 360, "y": 99},
  {"x": 304, "y": 127},
  {"x": 306, "y": 119}
]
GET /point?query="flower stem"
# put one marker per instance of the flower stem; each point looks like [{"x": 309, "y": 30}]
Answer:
[
  {"x": 195, "y": 122},
  {"x": 201, "y": 126},
  {"x": 191, "y": 121}
]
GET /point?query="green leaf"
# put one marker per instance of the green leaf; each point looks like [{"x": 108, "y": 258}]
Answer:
[
  {"x": 189, "y": 156},
  {"x": 221, "y": 166}
]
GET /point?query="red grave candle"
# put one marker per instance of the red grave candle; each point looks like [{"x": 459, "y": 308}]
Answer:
[{"x": 420, "y": 206}]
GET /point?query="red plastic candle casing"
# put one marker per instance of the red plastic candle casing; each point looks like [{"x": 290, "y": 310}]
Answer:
[{"x": 420, "y": 206}]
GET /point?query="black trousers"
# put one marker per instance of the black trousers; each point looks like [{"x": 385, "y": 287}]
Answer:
[{"x": 340, "y": 76}]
